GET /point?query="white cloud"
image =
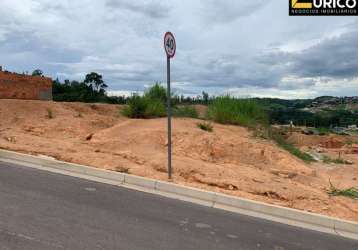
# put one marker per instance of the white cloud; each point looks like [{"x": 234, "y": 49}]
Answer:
[{"x": 253, "y": 46}]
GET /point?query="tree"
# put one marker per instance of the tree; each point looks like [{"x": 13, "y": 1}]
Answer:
[
  {"x": 205, "y": 98},
  {"x": 95, "y": 80},
  {"x": 37, "y": 72},
  {"x": 157, "y": 92}
]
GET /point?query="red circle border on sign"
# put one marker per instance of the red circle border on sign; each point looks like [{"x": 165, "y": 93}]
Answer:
[{"x": 175, "y": 44}]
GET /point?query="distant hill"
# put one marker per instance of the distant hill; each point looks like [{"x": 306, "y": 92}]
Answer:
[
  {"x": 335, "y": 102},
  {"x": 324, "y": 111}
]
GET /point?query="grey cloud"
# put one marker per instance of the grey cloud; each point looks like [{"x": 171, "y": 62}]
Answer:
[
  {"x": 27, "y": 52},
  {"x": 122, "y": 39},
  {"x": 331, "y": 58},
  {"x": 230, "y": 10},
  {"x": 151, "y": 8},
  {"x": 233, "y": 71}
]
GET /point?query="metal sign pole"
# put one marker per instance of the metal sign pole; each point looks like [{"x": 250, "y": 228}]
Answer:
[
  {"x": 170, "y": 49},
  {"x": 169, "y": 121}
]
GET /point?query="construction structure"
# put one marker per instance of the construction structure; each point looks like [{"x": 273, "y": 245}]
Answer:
[{"x": 26, "y": 87}]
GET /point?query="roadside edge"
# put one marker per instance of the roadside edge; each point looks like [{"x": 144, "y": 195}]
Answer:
[{"x": 288, "y": 216}]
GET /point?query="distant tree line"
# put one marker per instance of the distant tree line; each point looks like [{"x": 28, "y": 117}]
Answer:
[
  {"x": 279, "y": 111},
  {"x": 93, "y": 89}
]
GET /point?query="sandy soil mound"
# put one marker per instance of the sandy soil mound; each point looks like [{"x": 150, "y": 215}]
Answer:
[{"x": 229, "y": 160}]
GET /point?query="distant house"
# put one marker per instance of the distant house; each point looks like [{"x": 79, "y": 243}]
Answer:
[
  {"x": 352, "y": 127},
  {"x": 21, "y": 86}
]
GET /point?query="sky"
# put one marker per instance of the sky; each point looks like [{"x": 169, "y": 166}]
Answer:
[{"x": 238, "y": 47}]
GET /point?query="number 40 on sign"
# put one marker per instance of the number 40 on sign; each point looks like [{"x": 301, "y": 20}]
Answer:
[{"x": 170, "y": 44}]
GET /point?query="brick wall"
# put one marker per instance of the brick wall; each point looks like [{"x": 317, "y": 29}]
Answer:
[{"x": 17, "y": 86}]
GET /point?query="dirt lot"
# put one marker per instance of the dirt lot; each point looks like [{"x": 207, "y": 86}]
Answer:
[{"x": 229, "y": 160}]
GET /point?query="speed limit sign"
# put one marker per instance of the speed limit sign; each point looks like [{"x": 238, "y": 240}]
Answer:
[
  {"x": 170, "y": 48},
  {"x": 170, "y": 44}
]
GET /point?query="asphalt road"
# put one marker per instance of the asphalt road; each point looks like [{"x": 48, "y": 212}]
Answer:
[{"x": 41, "y": 210}]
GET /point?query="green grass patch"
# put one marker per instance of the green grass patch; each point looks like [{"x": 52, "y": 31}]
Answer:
[
  {"x": 350, "y": 192},
  {"x": 349, "y": 142},
  {"x": 323, "y": 131},
  {"x": 230, "y": 110},
  {"x": 354, "y": 133},
  {"x": 205, "y": 126},
  {"x": 185, "y": 111},
  {"x": 329, "y": 160},
  {"x": 281, "y": 142}
]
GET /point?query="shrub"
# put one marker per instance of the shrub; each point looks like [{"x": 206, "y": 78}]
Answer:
[
  {"x": 244, "y": 112},
  {"x": 205, "y": 126},
  {"x": 185, "y": 111},
  {"x": 156, "y": 92},
  {"x": 136, "y": 108},
  {"x": 150, "y": 105},
  {"x": 49, "y": 113},
  {"x": 155, "y": 108}
]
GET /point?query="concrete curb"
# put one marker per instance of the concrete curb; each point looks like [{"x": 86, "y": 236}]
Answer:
[{"x": 283, "y": 215}]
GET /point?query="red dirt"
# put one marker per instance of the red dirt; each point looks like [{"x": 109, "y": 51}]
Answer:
[
  {"x": 331, "y": 141},
  {"x": 229, "y": 160}
]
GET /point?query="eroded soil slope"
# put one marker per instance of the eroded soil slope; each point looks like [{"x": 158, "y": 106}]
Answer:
[{"x": 229, "y": 160}]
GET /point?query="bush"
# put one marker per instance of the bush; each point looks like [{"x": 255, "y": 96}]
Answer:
[
  {"x": 151, "y": 105},
  {"x": 185, "y": 111},
  {"x": 136, "y": 108},
  {"x": 155, "y": 108},
  {"x": 49, "y": 113},
  {"x": 244, "y": 112},
  {"x": 156, "y": 92},
  {"x": 205, "y": 126}
]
